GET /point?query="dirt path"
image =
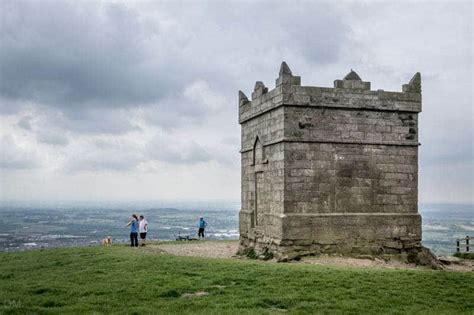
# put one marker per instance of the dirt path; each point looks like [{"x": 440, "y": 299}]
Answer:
[
  {"x": 379, "y": 263},
  {"x": 211, "y": 249},
  {"x": 228, "y": 249}
]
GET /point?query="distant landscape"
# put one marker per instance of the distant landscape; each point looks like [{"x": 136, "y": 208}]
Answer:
[
  {"x": 24, "y": 227},
  {"x": 444, "y": 223}
]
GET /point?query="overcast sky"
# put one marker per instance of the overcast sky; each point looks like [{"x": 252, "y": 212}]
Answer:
[{"x": 129, "y": 101}]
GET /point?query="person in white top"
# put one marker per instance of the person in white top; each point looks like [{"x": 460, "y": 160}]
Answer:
[{"x": 143, "y": 229}]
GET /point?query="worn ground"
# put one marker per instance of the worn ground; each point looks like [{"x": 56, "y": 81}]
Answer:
[
  {"x": 210, "y": 249},
  {"x": 227, "y": 249}
]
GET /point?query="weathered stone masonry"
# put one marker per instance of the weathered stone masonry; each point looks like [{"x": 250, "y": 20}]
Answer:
[{"x": 330, "y": 169}]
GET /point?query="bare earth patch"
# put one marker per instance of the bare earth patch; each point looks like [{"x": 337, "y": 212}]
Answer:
[
  {"x": 196, "y": 294},
  {"x": 228, "y": 249},
  {"x": 356, "y": 262},
  {"x": 375, "y": 262},
  {"x": 210, "y": 249}
]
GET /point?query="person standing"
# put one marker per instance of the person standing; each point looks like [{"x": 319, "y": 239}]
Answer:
[
  {"x": 143, "y": 229},
  {"x": 133, "y": 230},
  {"x": 202, "y": 226}
]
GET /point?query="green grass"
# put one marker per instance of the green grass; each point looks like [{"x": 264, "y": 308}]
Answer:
[
  {"x": 120, "y": 279},
  {"x": 464, "y": 255}
]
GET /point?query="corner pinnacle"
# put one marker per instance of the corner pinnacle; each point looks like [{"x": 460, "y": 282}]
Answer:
[
  {"x": 284, "y": 69},
  {"x": 415, "y": 82},
  {"x": 259, "y": 85},
  {"x": 242, "y": 98},
  {"x": 414, "y": 85}
]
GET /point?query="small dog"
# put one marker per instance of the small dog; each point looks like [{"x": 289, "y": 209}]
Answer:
[{"x": 107, "y": 241}]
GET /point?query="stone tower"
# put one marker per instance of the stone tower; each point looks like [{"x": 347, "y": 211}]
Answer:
[{"x": 330, "y": 170}]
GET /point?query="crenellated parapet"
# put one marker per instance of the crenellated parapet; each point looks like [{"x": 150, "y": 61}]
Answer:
[{"x": 350, "y": 92}]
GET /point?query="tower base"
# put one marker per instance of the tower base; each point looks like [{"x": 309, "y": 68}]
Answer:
[{"x": 336, "y": 233}]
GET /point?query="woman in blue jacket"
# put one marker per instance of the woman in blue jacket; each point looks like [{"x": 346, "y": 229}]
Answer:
[{"x": 133, "y": 230}]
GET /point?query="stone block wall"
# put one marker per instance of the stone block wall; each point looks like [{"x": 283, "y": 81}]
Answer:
[
  {"x": 350, "y": 126},
  {"x": 269, "y": 179},
  {"x": 348, "y": 178}
]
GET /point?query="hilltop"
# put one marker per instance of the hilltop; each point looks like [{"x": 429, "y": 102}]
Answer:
[{"x": 135, "y": 280}]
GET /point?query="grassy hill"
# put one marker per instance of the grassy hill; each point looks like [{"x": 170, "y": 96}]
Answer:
[{"x": 120, "y": 279}]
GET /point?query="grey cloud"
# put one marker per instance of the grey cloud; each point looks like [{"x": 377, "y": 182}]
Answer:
[
  {"x": 13, "y": 156},
  {"x": 9, "y": 106},
  {"x": 43, "y": 129},
  {"x": 177, "y": 151},
  {"x": 190, "y": 107},
  {"x": 53, "y": 138},
  {"x": 111, "y": 154},
  {"x": 447, "y": 147},
  {"x": 89, "y": 68},
  {"x": 105, "y": 155},
  {"x": 97, "y": 121},
  {"x": 101, "y": 54},
  {"x": 25, "y": 123},
  {"x": 232, "y": 141},
  {"x": 95, "y": 163},
  {"x": 192, "y": 154},
  {"x": 172, "y": 149},
  {"x": 77, "y": 54},
  {"x": 87, "y": 122}
]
